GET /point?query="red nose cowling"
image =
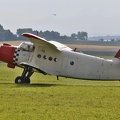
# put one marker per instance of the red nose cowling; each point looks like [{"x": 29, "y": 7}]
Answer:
[{"x": 7, "y": 54}]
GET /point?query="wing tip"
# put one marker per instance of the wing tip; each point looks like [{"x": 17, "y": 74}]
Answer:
[{"x": 30, "y": 35}]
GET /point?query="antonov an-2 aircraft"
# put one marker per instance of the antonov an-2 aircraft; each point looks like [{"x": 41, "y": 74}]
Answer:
[{"x": 54, "y": 58}]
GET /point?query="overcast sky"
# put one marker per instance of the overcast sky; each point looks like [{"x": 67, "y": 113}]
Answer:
[{"x": 97, "y": 17}]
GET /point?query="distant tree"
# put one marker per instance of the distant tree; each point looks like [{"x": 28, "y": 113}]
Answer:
[
  {"x": 6, "y": 34},
  {"x": 35, "y": 32},
  {"x": 41, "y": 34},
  {"x": 1, "y": 28},
  {"x": 82, "y": 35},
  {"x": 49, "y": 35},
  {"x": 24, "y": 30},
  {"x": 101, "y": 39},
  {"x": 73, "y": 36},
  {"x": 64, "y": 37},
  {"x": 55, "y": 35},
  {"x": 112, "y": 40},
  {"x": 9, "y": 35},
  {"x": 79, "y": 35}
]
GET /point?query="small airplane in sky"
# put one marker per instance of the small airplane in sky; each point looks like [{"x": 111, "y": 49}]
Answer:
[
  {"x": 54, "y": 58},
  {"x": 55, "y": 14}
]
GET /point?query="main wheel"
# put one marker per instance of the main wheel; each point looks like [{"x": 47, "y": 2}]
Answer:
[{"x": 19, "y": 80}]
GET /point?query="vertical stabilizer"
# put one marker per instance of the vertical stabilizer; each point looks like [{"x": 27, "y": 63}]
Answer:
[{"x": 117, "y": 54}]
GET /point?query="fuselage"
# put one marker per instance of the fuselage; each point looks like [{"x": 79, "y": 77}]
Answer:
[{"x": 71, "y": 64}]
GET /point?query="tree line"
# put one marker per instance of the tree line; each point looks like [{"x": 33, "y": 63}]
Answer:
[{"x": 49, "y": 35}]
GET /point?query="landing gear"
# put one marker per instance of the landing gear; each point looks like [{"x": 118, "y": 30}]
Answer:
[{"x": 25, "y": 77}]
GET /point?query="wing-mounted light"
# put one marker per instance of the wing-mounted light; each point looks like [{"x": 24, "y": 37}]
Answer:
[{"x": 7, "y": 54}]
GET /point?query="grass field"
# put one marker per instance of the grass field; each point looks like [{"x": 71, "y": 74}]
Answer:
[
  {"x": 48, "y": 99},
  {"x": 67, "y": 99}
]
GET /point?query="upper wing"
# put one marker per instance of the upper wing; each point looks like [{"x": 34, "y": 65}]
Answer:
[{"x": 41, "y": 41}]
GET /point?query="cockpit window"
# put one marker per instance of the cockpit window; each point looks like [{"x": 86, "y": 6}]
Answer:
[{"x": 26, "y": 46}]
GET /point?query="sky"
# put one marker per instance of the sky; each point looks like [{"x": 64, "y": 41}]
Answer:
[{"x": 96, "y": 17}]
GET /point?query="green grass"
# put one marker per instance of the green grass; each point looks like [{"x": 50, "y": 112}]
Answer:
[{"x": 48, "y": 99}]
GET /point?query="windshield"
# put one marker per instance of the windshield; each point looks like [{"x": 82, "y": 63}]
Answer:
[{"x": 26, "y": 46}]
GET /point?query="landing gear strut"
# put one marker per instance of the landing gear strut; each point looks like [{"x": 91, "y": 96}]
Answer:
[{"x": 25, "y": 77}]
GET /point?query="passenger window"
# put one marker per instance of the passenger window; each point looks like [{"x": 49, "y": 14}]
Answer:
[
  {"x": 45, "y": 57},
  {"x": 39, "y": 56},
  {"x": 50, "y": 58},
  {"x": 71, "y": 63},
  {"x": 55, "y": 59}
]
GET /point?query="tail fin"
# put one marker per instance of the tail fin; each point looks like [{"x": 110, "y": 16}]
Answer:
[{"x": 117, "y": 54}]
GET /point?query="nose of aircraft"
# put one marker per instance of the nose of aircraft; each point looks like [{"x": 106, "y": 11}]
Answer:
[{"x": 7, "y": 54}]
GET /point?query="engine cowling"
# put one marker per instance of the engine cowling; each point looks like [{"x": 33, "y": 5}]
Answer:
[{"x": 7, "y": 54}]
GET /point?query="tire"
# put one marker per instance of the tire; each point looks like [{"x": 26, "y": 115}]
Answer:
[{"x": 19, "y": 80}]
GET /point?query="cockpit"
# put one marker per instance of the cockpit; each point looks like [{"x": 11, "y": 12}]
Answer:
[{"x": 27, "y": 46}]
